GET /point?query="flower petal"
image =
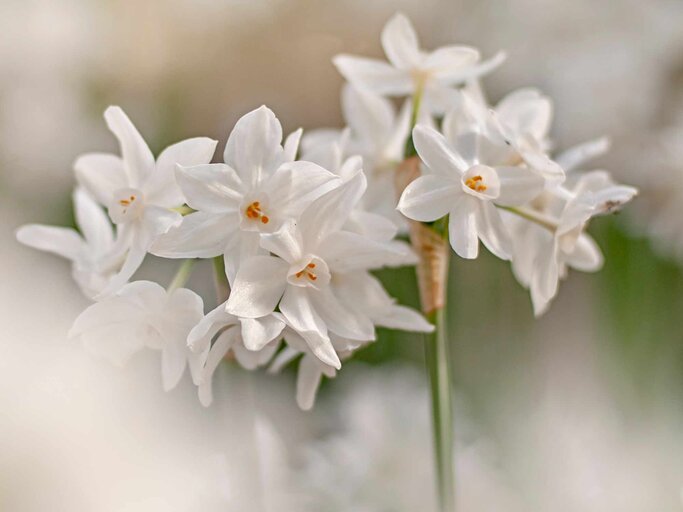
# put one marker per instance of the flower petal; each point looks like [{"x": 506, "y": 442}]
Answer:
[
  {"x": 578, "y": 155},
  {"x": 429, "y": 197},
  {"x": 449, "y": 60},
  {"x": 285, "y": 243},
  {"x": 436, "y": 153},
  {"x": 492, "y": 232},
  {"x": 254, "y": 147},
  {"x": 308, "y": 379},
  {"x": 218, "y": 351},
  {"x": 342, "y": 320},
  {"x": 64, "y": 242},
  {"x": 293, "y": 186},
  {"x": 400, "y": 43},
  {"x": 258, "y": 332},
  {"x": 518, "y": 185},
  {"x": 199, "y": 235},
  {"x": 329, "y": 213},
  {"x": 526, "y": 112},
  {"x": 297, "y": 308},
  {"x": 138, "y": 160},
  {"x": 462, "y": 228},
  {"x": 370, "y": 116},
  {"x": 586, "y": 255},
  {"x": 210, "y": 187},
  {"x": 101, "y": 174},
  {"x": 258, "y": 286},
  {"x": 374, "y": 75},
  {"x": 93, "y": 222},
  {"x": 162, "y": 189},
  {"x": 291, "y": 146},
  {"x": 453, "y": 75}
]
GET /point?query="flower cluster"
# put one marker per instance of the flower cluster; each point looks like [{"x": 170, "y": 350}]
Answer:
[{"x": 296, "y": 226}]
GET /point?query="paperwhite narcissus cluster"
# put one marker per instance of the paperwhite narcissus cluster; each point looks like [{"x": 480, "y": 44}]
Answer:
[{"x": 300, "y": 230}]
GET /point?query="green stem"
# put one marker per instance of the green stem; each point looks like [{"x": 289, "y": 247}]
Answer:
[
  {"x": 182, "y": 275},
  {"x": 415, "y": 112},
  {"x": 220, "y": 281},
  {"x": 439, "y": 367}
]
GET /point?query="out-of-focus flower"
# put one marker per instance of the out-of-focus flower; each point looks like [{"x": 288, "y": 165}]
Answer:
[
  {"x": 462, "y": 183},
  {"x": 140, "y": 315},
  {"x": 412, "y": 70},
  {"x": 374, "y": 458},
  {"x": 259, "y": 187},
  {"x": 93, "y": 263},
  {"x": 138, "y": 191},
  {"x": 544, "y": 250}
]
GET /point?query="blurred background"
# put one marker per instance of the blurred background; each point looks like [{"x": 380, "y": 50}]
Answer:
[{"x": 579, "y": 410}]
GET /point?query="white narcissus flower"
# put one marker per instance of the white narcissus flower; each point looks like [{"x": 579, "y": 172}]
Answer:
[
  {"x": 141, "y": 315},
  {"x": 253, "y": 342},
  {"x": 138, "y": 191},
  {"x": 91, "y": 253},
  {"x": 310, "y": 257},
  {"x": 518, "y": 126},
  {"x": 460, "y": 182},
  {"x": 411, "y": 69},
  {"x": 546, "y": 249},
  {"x": 258, "y": 188}
]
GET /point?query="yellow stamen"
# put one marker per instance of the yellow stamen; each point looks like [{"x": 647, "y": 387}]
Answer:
[{"x": 475, "y": 183}]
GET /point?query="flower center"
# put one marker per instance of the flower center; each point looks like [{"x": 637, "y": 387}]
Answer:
[
  {"x": 476, "y": 183},
  {"x": 127, "y": 205},
  {"x": 253, "y": 212},
  {"x": 308, "y": 272}
]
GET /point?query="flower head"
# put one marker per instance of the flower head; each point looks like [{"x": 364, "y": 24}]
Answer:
[
  {"x": 258, "y": 188},
  {"x": 410, "y": 69},
  {"x": 138, "y": 191}
]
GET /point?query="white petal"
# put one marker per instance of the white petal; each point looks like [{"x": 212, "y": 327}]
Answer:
[
  {"x": 285, "y": 243},
  {"x": 405, "y": 319},
  {"x": 138, "y": 160},
  {"x": 218, "y": 351},
  {"x": 545, "y": 278},
  {"x": 210, "y": 187},
  {"x": 454, "y": 76},
  {"x": 462, "y": 228},
  {"x": 399, "y": 41},
  {"x": 199, "y": 235},
  {"x": 294, "y": 185},
  {"x": 518, "y": 185},
  {"x": 258, "y": 287},
  {"x": 64, "y": 242},
  {"x": 370, "y": 116},
  {"x": 101, "y": 174},
  {"x": 330, "y": 212},
  {"x": 157, "y": 221},
  {"x": 449, "y": 60},
  {"x": 429, "y": 197},
  {"x": 586, "y": 256},
  {"x": 492, "y": 231},
  {"x": 258, "y": 332},
  {"x": 201, "y": 335},
  {"x": 93, "y": 222},
  {"x": 526, "y": 112},
  {"x": 173, "y": 362},
  {"x": 344, "y": 251},
  {"x": 578, "y": 155},
  {"x": 436, "y": 154},
  {"x": 374, "y": 75},
  {"x": 297, "y": 308},
  {"x": 308, "y": 380},
  {"x": 291, "y": 146},
  {"x": 254, "y": 146},
  {"x": 162, "y": 189},
  {"x": 340, "y": 319},
  {"x": 114, "y": 342},
  {"x": 286, "y": 356}
]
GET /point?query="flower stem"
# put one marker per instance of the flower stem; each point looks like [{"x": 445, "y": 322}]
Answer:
[
  {"x": 220, "y": 281},
  {"x": 182, "y": 275},
  {"x": 439, "y": 367}
]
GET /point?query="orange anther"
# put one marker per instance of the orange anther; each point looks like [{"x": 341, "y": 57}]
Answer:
[
  {"x": 265, "y": 219},
  {"x": 311, "y": 265}
]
